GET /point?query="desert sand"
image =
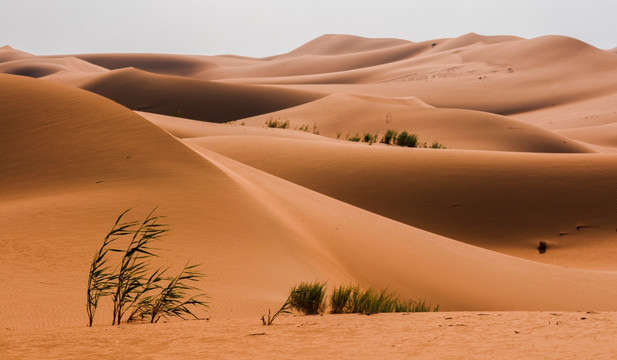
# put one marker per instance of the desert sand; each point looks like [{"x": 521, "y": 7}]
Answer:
[{"x": 530, "y": 156}]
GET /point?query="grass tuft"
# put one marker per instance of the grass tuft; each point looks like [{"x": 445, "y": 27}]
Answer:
[
  {"x": 407, "y": 139},
  {"x": 340, "y": 299},
  {"x": 308, "y": 298},
  {"x": 353, "y": 299},
  {"x": 277, "y": 123}
]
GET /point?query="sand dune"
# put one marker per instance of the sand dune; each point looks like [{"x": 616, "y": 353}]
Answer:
[
  {"x": 345, "y": 115},
  {"x": 7, "y": 53},
  {"x": 195, "y": 99},
  {"x": 507, "y": 202},
  {"x": 482, "y": 73},
  {"x": 223, "y": 214},
  {"x": 65, "y": 67},
  {"x": 528, "y": 125},
  {"x": 338, "y": 44},
  {"x": 180, "y": 65}
]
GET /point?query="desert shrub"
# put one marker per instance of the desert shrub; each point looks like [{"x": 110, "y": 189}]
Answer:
[
  {"x": 369, "y": 138},
  {"x": 306, "y": 128},
  {"x": 308, "y": 298},
  {"x": 406, "y": 139},
  {"x": 277, "y": 123},
  {"x": 389, "y": 137},
  {"x": 436, "y": 145},
  {"x": 132, "y": 285},
  {"x": 339, "y": 300},
  {"x": 542, "y": 247},
  {"x": 355, "y": 138}
]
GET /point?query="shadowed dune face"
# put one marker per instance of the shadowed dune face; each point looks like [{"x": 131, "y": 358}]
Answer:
[
  {"x": 160, "y": 63},
  {"x": 530, "y": 156},
  {"x": 506, "y": 202},
  {"x": 196, "y": 99}
]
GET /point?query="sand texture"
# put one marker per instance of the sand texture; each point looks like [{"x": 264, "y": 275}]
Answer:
[{"x": 529, "y": 128}]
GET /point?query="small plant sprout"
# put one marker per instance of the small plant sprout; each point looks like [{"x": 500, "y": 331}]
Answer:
[{"x": 268, "y": 320}]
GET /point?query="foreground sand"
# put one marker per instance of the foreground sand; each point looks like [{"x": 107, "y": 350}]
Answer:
[{"x": 459, "y": 335}]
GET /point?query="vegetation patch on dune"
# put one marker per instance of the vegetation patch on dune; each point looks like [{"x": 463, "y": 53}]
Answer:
[
  {"x": 277, "y": 123},
  {"x": 393, "y": 137}
]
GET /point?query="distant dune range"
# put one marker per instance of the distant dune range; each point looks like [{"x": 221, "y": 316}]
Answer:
[{"x": 529, "y": 128}]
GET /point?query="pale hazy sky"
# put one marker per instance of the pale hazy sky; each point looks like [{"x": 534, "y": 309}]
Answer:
[{"x": 269, "y": 27}]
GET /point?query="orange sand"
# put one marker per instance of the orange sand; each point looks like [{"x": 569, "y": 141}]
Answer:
[{"x": 530, "y": 156}]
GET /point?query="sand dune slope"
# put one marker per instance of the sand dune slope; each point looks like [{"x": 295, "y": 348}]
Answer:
[
  {"x": 195, "y": 99},
  {"x": 72, "y": 161},
  {"x": 507, "y": 202},
  {"x": 502, "y": 75},
  {"x": 346, "y": 115},
  {"x": 37, "y": 67},
  {"x": 180, "y": 65},
  {"x": 7, "y": 53}
]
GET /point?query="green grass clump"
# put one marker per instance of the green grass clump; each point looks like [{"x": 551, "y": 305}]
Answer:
[
  {"x": 407, "y": 139},
  {"x": 353, "y": 299},
  {"x": 436, "y": 145},
  {"x": 339, "y": 300},
  {"x": 389, "y": 137},
  {"x": 369, "y": 138},
  {"x": 308, "y": 298},
  {"x": 355, "y": 138}
]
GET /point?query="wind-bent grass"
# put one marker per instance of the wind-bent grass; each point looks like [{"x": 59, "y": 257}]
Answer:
[
  {"x": 100, "y": 278},
  {"x": 132, "y": 276},
  {"x": 308, "y": 298},
  {"x": 132, "y": 285},
  {"x": 171, "y": 301}
]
